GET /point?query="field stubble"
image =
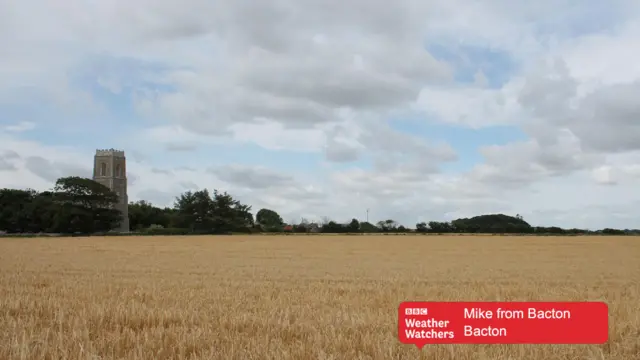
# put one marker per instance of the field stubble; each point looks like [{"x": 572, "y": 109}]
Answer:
[{"x": 295, "y": 297}]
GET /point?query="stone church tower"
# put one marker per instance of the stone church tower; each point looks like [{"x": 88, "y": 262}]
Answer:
[{"x": 110, "y": 169}]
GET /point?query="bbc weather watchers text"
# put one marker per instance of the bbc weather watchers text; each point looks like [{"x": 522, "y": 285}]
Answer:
[{"x": 422, "y": 323}]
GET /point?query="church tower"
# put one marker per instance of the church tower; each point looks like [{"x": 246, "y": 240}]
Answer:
[{"x": 110, "y": 170}]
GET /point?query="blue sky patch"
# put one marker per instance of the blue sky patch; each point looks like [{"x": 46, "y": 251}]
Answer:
[{"x": 497, "y": 65}]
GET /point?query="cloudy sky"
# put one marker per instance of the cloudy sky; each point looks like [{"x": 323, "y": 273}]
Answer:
[{"x": 416, "y": 109}]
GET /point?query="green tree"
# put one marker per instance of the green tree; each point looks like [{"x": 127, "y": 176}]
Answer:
[
  {"x": 354, "y": 226},
  {"x": 492, "y": 223},
  {"x": 202, "y": 213},
  {"x": 230, "y": 214},
  {"x": 143, "y": 215},
  {"x": 269, "y": 220},
  {"x": 367, "y": 227},
  {"x": 14, "y": 212},
  {"x": 195, "y": 211},
  {"x": 43, "y": 212},
  {"x": 85, "y": 206},
  {"x": 388, "y": 225},
  {"x": 441, "y": 227},
  {"x": 334, "y": 228},
  {"x": 422, "y": 227}
]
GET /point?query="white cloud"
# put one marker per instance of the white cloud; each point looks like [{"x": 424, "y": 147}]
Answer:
[
  {"x": 472, "y": 106},
  {"x": 273, "y": 135},
  {"x": 298, "y": 76},
  {"x": 604, "y": 175},
  {"x": 20, "y": 127},
  {"x": 604, "y": 58}
]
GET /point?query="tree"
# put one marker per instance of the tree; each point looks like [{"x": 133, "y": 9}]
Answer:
[
  {"x": 84, "y": 192},
  {"x": 441, "y": 227},
  {"x": 269, "y": 220},
  {"x": 229, "y": 214},
  {"x": 143, "y": 215},
  {"x": 367, "y": 227},
  {"x": 354, "y": 226},
  {"x": 333, "y": 227},
  {"x": 15, "y": 216},
  {"x": 493, "y": 223},
  {"x": 42, "y": 212},
  {"x": 202, "y": 213},
  {"x": 85, "y": 206},
  {"x": 388, "y": 225},
  {"x": 422, "y": 227},
  {"x": 609, "y": 231},
  {"x": 195, "y": 210}
]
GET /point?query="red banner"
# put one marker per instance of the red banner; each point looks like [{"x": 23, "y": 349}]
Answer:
[{"x": 423, "y": 323}]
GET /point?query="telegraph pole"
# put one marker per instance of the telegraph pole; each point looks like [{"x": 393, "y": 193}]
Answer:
[{"x": 367, "y": 215}]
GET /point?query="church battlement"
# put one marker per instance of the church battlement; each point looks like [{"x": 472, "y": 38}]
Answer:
[{"x": 110, "y": 152}]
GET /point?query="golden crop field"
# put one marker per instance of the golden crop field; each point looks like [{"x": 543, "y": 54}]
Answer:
[{"x": 295, "y": 297}]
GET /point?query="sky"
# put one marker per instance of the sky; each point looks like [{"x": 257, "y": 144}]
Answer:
[{"x": 417, "y": 110}]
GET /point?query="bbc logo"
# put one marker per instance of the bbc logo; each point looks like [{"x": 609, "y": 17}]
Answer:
[{"x": 416, "y": 311}]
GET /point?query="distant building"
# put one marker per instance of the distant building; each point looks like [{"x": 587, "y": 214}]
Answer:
[
  {"x": 110, "y": 170},
  {"x": 314, "y": 228}
]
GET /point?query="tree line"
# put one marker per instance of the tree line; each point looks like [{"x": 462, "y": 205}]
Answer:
[{"x": 77, "y": 205}]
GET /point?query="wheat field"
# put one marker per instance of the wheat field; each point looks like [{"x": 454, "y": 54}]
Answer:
[{"x": 295, "y": 297}]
